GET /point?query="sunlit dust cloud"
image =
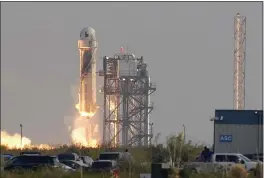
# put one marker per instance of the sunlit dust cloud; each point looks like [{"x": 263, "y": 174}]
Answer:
[
  {"x": 84, "y": 132},
  {"x": 14, "y": 141}
]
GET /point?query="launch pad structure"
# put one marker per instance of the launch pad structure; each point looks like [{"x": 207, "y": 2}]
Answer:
[{"x": 127, "y": 89}]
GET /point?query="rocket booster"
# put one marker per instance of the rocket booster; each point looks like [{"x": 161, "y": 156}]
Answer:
[{"x": 87, "y": 92}]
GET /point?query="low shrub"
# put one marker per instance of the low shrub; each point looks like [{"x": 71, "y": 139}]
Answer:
[
  {"x": 259, "y": 171},
  {"x": 238, "y": 171}
]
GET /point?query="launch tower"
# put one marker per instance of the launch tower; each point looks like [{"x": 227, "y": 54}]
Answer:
[{"x": 127, "y": 89}]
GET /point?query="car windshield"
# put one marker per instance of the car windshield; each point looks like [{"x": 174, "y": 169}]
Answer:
[
  {"x": 40, "y": 160},
  {"x": 6, "y": 157},
  {"x": 63, "y": 157},
  {"x": 110, "y": 156},
  {"x": 245, "y": 158},
  {"x": 10, "y": 161},
  {"x": 101, "y": 164}
]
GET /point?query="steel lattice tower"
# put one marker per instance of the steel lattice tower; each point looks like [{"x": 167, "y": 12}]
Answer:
[
  {"x": 239, "y": 61},
  {"x": 126, "y": 101}
]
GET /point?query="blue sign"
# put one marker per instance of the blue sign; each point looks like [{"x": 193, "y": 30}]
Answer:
[{"x": 226, "y": 138}]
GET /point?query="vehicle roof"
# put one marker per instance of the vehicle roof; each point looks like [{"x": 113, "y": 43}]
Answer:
[
  {"x": 85, "y": 156},
  {"x": 67, "y": 154},
  {"x": 105, "y": 161},
  {"x": 227, "y": 153},
  {"x": 34, "y": 155},
  {"x": 6, "y": 155},
  {"x": 111, "y": 152}
]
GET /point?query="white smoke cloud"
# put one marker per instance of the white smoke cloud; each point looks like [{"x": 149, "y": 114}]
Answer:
[
  {"x": 13, "y": 141},
  {"x": 74, "y": 93}
]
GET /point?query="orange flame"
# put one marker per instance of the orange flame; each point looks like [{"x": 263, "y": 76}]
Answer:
[
  {"x": 84, "y": 114},
  {"x": 112, "y": 106},
  {"x": 79, "y": 137},
  {"x": 14, "y": 142},
  {"x": 80, "y": 134}
]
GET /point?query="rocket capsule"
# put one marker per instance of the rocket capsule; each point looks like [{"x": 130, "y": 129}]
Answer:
[{"x": 88, "y": 33}]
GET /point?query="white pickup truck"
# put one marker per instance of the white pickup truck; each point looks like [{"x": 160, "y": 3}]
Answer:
[{"x": 222, "y": 161}]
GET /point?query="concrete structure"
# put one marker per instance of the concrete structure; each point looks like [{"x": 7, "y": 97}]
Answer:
[{"x": 238, "y": 131}]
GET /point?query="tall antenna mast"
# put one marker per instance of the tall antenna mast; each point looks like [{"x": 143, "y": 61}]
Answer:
[{"x": 239, "y": 61}]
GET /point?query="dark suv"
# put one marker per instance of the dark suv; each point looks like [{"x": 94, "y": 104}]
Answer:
[
  {"x": 32, "y": 162},
  {"x": 67, "y": 156}
]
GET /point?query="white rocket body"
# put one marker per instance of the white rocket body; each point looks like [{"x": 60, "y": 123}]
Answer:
[{"x": 87, "y": 92}]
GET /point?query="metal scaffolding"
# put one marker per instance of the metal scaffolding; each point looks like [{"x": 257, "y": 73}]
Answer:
[
  {"x": 239, "y": 61},
  {"x": 127, "y": 89}
]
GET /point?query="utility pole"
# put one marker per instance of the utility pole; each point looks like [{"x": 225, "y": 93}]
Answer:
[
  {"x": 151, "y": 133},
  {"x": 181, "y": 144},
  {"x": 21, "y": 134},
  {"x": 184, "y": 132}
]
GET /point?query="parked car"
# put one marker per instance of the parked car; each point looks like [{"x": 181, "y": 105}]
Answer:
[
  {"x": 68, "y": 156},
  {"x": 76, "y": 165},
  {"x": 63, "y": 166},
  {"x": 33, "y": 162},
  {"x": 87, "y": 160},
  {"x": 111, "y": 156},
  {"x": 104, "y": 166},
  {"x": 119, "y": 157}
]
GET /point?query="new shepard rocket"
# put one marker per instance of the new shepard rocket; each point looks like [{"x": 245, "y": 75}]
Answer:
[{"x": 87, "y": 92}]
